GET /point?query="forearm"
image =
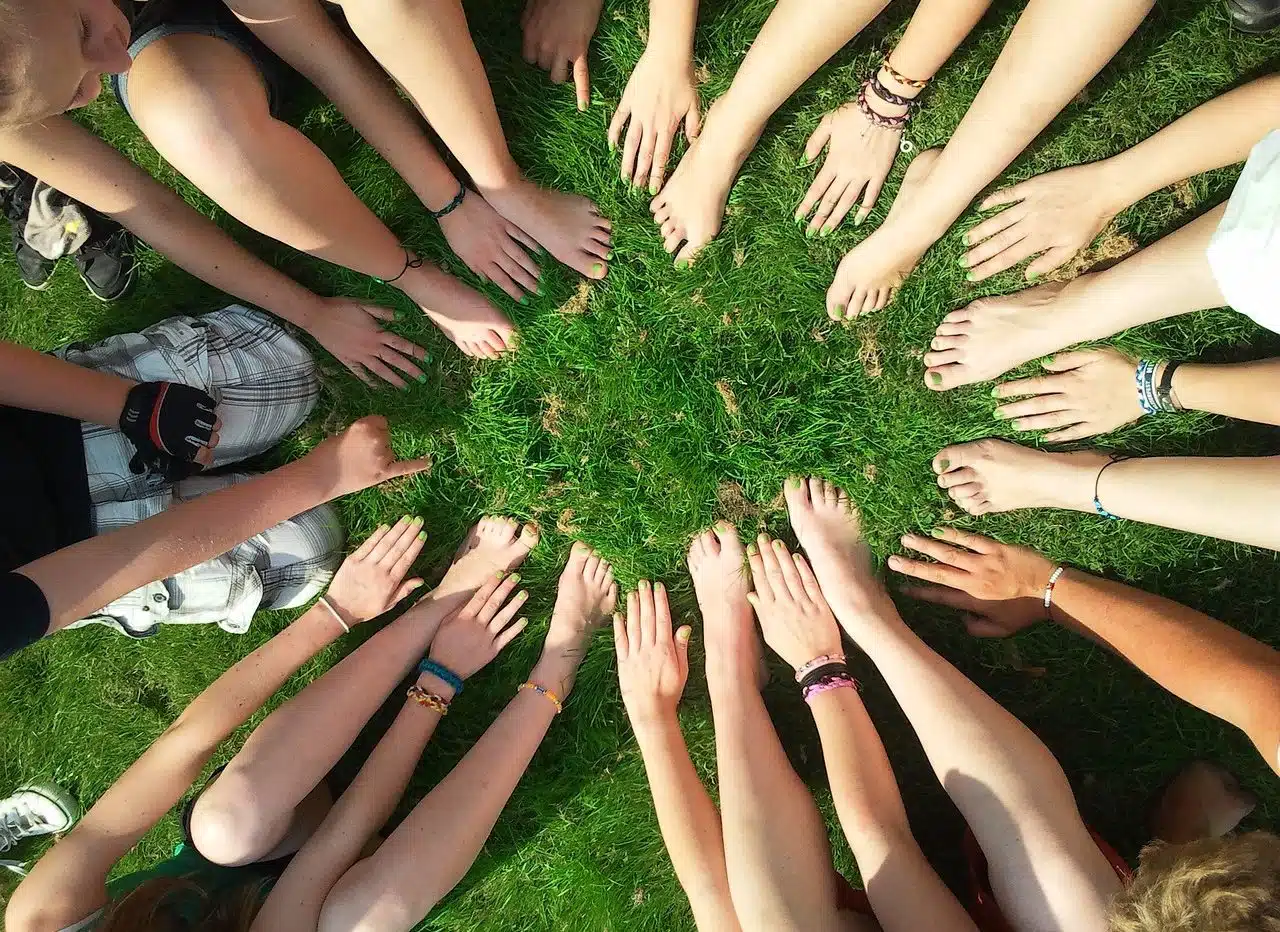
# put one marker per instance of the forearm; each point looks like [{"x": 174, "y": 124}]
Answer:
[
  {"x": 1217, "y": 133},
  {"x": 904, "y": 890},
  {"x": 38, "y": 382},
  {"x": 671, "y": 27},
  {"x": 84, "y": 577},
  {"x": 1246, "y": 390},
  {"x": 936, "y": 30},
  {"x": 689, "y": 822},
  {"x": 1197, "y": 658}
]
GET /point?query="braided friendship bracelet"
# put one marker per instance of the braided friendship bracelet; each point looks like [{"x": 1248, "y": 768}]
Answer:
[
  {"x": 839, "y": 681},
  {"x": 428, "y": 700},
  {"x": 543, "y": 691},
  {"x": 888, "y": 96},
  {"x": 1049, "y": 586},
  {"x": 879, "y": 119},
  {"x": 826, "y": 671},
  {"x": 451, "y": 206},
  {"x": 443, "y": 673},
  {"x": 821, "y": 660},
  {"x": 901, "y": 78}
]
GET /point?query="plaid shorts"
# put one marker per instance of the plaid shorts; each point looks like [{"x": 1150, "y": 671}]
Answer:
[{"x": 265, "y": 384}]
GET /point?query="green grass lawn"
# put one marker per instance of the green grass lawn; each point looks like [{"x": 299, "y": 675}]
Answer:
[{"x": 641, "y": 409}]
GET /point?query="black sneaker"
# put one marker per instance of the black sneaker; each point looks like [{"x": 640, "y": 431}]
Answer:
[
  {"x": 1254, "y": 16},
  {"x": 107, "y": 262},
  {"x": 34, "y": 268}
]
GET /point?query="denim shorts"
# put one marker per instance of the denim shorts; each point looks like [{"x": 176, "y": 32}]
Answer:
[{"x": 158, "y": 19}]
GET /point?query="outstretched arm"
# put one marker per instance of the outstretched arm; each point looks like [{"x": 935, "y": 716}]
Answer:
[
  {"x": 38, "y": 382},
  {"x": 653, "y": 666},
  {"x": 798, "y": 624},
  {"x": 1197, "y": 658},
  {"x": 86, "y": 576},
  {"x": 1245, "y": 390}
]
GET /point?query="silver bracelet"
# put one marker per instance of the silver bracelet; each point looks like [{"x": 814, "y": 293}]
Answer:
[{"x": 334, "y": 612}]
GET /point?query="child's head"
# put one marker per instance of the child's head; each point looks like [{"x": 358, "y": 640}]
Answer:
[
  {"x": 1229, "y": 884},
  {"x": 54, "y": 54}
]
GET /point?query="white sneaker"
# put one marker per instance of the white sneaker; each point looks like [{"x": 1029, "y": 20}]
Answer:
[{"x": 33, "y": 811}]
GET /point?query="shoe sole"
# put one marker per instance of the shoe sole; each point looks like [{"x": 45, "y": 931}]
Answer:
[{"x": 40, "y": 287}]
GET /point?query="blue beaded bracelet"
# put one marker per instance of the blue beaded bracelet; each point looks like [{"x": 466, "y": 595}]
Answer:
[{"x": 444, "y": 673}]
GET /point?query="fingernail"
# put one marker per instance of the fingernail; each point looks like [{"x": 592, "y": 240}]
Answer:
[
  {"x": 501, "y": 574},
  {"x": 653, "y": 187},
  {"x": 963, "y": 262},
  {"x": 582, "y": 107},
  {"x": 522, "y": 595},
  {"x": 859, "y": 220},
  {"x": 408, "y": 518},
  {"x": 804, "y": 158},
  {"x": 515, "y": 577},
  {"x": 777, "y": 545},
  {"x": 895, "y": 562},
  {"x": 524, "y": 299},
  {"x": 684, "y": 634},
  {"x": 751, "y": 549},
  {"x": 793, "y": 482},
  {"x": 1000, "y": 413},
  {"x": 613, "y": 146},
  {"x": 644, "y": 585},
  {"x": 936, "y": 532},
  {"x": 995, "y": 392},
  {"x": 423, "y": 378},
  {"x": 659, "y": 587},
  {"x": 597, "y": 268},
  {"x": 935, "y": 378},
  {"x": 799, "y": 218},
  {"x": 419, "y": 520},
  {"x": 808, "y": 233},
  {"x": 824, "y": 231},
  {"x": 970, "y": 277},
  {"x": 538, "y": 291},
  {"x": 422, "y": 535},
  {"x": 1032, "y": 276}
]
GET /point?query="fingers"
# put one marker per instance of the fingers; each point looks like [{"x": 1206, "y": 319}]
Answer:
[
  {"x": 408, "y": 586},
  {"x": 1048, "y": 421},
  {"x": 1003, "y": 251},
  {"x": 661, "y": 614},
  {"x": 1073, "y": 359},
  {"x": 842, "y": 208},
  {"x": 1039, "y": 404},
  {"x": 507, "y": 612},
  {"x": 1009, "y": 195},
  {"x": 815, "y": 194},
  {"x": 509, "y": 635},
  {"x": 930, "y": 572},
  {"x": 492, "y": 606},
  {"x": 393, "y": 358},
  {"x": 682, "y": 649},
  {"x": 790, "y": 575},
  {"x": 661, "y": 153},
  {"x": 644, "y": 158},
  {"x": 1036, "y": 385},
  {"x": 379, "y": 368},
  {"x": 872, "y": 195},
  {"x": 620, "y": 117},
  {"x": 402, "y": 468},
  {"x": 582, "y": 81},
  {"x": 975, "y": 542},
  {"x": 403, "y": 346},
  {"x": 943, "y": 595},
  {"x": 828, "y": 203},
  {"x": 630, "y": 149},
  {"x": 378, "y": 311},
  {"x": 1076, "y": 432},
  {"x": 370, "y": 542},
  {"x": 392, "y": 538},
  {"x": 473, "y": 607},
  {"x": 771, "y": 570},
  {"x": 621, "y": 645},
  {"x": 759, "y": 581},
  {"x": 559, "y": 70},
  {"x": 943, "y": 553},
  {"x": 818, "y": 141},
  {"x": 402, "y": 557},
  {"x": 634, "y": 638},
  {"x": 1055, "y": 258},
  {"x": 808, "y": 580},
  {"x": 648, "y": 615}
]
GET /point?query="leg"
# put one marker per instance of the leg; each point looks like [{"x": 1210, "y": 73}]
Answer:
[
  {"x": 202, "y": 103},
  {"x": 1055, "y": 49},
  {"x": 1046, "y": 871},
  {"x": 250, "y": 808},
  {"x": 432, "y": 849},
  {"x": 993, "y": 335},
  {"x": 1232, "y": 498},
  {"x": 426, "y": 46},
  {"x": 796, "y": 39},
  {"x": 775, "y": 842}
]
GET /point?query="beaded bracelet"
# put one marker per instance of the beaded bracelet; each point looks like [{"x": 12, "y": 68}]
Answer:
[
  {"x": 543, "y": 691},
  {"x": 1051, "y": 584},
  {"x": 901, "y": 78},
  {"x": 428, "y": 700},
  {"x": 806, "y": 668},
  {"x": 841, "y": 681},
  {"x": 443, "y": 673}
]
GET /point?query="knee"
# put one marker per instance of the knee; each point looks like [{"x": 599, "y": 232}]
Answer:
[
  {"x": 358, "y": 902},
  {"x": 227, "y": 827}
]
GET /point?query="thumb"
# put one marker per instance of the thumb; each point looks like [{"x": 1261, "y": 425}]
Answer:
[
  {"x": 582, "y": 80},
  {"x": 406, "y": 587},
  {"x": 683, "y": 634},
  {"x": 1072, "y": 360},
  {"x": 378, "y": 311}
]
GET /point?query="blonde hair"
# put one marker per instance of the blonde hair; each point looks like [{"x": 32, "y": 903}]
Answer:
[{"x": 1227, "y": 884}]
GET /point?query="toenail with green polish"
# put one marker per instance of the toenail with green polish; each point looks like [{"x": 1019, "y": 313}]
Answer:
[
  {"x": 936, "y": 532},
  {"x": 608, "y": 255},
  {"x": 840, "y": 309},
  {"x": 682, "y": 263},
  {"x": 653, "y": 187},
  {"x": 422, "y": 377},
  {"x": 752, "y": 549},
  {"x": 970, "y": 277},
  {"x": 935, "y": 378},
  {"x": 945, "y": 464},
  {"x": 524, "y": 299},
  {"x": 597, "y": 268}
]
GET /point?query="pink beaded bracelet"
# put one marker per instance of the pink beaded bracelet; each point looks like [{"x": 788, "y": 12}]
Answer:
[{"x": 835, "y": 682}]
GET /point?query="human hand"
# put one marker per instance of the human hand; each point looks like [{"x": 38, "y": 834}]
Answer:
[
  {"x": 476, "y": 633},
  {"x": 653, "y": 664},
  {"x": 794, "y": 616},
  {"x": 171, "y": 426},
  {"x": 660, "y": 93},
  {"x": 1056, "y": 215},
  {"x": 349, "y": 329},
  {"x": 360, "y": 457},
  {"x": 1090, "y": 392},
  {"x": 999, "y": 588},
  {"x": 495, "y": 249},
  {"x": 556, "y": 36},
  {"x": 859, "y": 157},
  {"x": 372, "y": 580}
]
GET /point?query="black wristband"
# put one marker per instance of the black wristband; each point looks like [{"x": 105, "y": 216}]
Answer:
[
  {"x": 1164, "y": 391},
  {"x": 820, "y": 673},
  {"x": 169, "y": 424},
  {"x": 452, "y": 205}
]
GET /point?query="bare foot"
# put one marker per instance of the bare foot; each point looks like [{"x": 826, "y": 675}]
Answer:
[
  {"x": 993, "y": 335},
  {"x": 690, "y": 208},
  {"x": 718, "y": 565},
  {"x": 493, "y": 544},
  {"x": 870, "y": 273},
  {"x": 1205, "y": 800},
  {"x": 994, "y": 475},
  {"x": 463, "y": 314},
  {"x": 566, "y": 225},
  {"x": 586, "y": 597},
  {"x": 828, "y": 527}
]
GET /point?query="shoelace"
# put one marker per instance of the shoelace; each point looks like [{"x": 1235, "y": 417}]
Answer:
[{"x": 18, "y": 823}]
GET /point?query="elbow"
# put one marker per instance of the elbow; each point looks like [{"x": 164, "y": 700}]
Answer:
[{"x": 28, "y": 911}]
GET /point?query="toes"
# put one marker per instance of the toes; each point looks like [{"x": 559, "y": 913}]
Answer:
[
  {"x": 943, "y": 357},
  {"x": 948, "y": 341},
  {"x": 685, "y": 257},
  {"x": 672, "y": 241},
  {"x": 957, "y": 477},
  {"x": 953, "y": 457},
  {"x": 591, "y": 566},
  {"x": 945, "y": 378},
  {"x": 831, "y": 493},
  {"x": 726, "y": 536},
  {"x": 578, "y": 555},
  {"x": 796, "y": 491},
  {"x": 529, "y": 536},
  {"x": 710, "y": 543}
]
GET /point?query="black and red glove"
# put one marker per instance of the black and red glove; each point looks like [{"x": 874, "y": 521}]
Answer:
[{"x": 169, "y": 424}]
